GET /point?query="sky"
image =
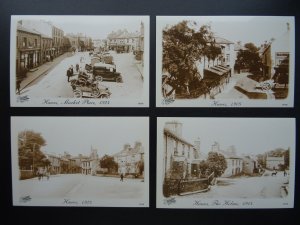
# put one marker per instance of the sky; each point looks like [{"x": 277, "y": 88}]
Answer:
[
  {"x": 246, "y": 29},
  {"x": 76, "y": 135},
  {"x": 96, "y": 27},
  {"x": 250, "y": 136}
]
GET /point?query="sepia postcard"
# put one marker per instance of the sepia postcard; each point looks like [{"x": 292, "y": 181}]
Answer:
[
  {"x": 225, "y": 61},
  {"x": 79, "y": 61},
  {"x": 80, "y": 161},
  {"x": 225, "y": 163}
]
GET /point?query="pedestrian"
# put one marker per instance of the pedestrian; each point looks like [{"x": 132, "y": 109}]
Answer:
[
  {"x": 122, "y": 177},
  {"x": 69, "y": 74},
  {"x": 72, "y": 71},
  {"x": 18, "y": 86},
  {"x": 77, "y": 67},
  {"x": 284, "y": 173}
]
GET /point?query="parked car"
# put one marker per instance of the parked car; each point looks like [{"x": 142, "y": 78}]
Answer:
[{"x": 106, "y": 72}]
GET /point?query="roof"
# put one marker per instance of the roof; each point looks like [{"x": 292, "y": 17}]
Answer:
[
  {"x": 220, "y": 40},
  {"x": 130, "y": 151},
  {"x": 229, "y": 155},
  {"x": 177, "y": 137},
  {"x": 122, "y": 34},
  {"x": 238, "y": 47},
  {"x": 21, "y": 28},
  {"x": 275, "y": 158},
  {"x": 214, "y": 71},
  {"x": 100, "y": 64}
]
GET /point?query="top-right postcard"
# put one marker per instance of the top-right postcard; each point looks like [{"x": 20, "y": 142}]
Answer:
[{"x": 225, "y": 61}]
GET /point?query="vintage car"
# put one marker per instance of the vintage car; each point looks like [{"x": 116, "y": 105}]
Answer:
[
  {"x": 106, "y": 72},
  {"x": 85, "y": 86},
  {"x": 266, "y": 85}
]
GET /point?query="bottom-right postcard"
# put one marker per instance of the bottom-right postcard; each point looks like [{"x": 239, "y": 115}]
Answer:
[{"x": 225, "y": 162}]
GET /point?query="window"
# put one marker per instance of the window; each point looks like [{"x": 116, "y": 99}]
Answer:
[
  {"x": 175, "y": 148},
  {"x": 227, "y": 57},
  {"x": 24, "y": 44}
]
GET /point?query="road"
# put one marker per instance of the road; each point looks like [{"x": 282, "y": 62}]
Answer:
[
  {"x": 242, "y": 81},
  {"x": 55, "y": 85},
  {"x": 81, "y": 186},
  {"x": 266, "y": 186}
]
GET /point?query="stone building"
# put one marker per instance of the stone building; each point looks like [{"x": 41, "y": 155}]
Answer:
[
  {"x": 233, "y": 161},
  {"x": 274, "y": 162},
  {"x": 181, "y": 158},
  {"x": 90, "y": 165},
  {"x": 28, "y": 50},
  {"x": 131, "y": 159}
]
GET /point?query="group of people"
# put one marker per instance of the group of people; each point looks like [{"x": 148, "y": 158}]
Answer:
[
  {"x": 43, "y": 173},
  {"x": 70, "y": 71}
]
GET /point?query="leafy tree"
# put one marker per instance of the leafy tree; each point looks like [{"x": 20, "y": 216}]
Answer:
[
  {"x": 108, "y": 162},
  {"x": 182, "y": 47},
  {"x": 249, "y": 59},
  {"x": 216, "y": 163},
  {"x": 29, "y": 150},
  {"x": 251, "y": 47}
]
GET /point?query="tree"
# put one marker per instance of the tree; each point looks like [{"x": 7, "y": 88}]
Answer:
[
  {"x": 249, "y": 59},
  {"x": 216, "y": 163},
  {"x": 29, "y": 150},
  {"x": 182, "y": 47},
  {"x": 108, "y": 162}
]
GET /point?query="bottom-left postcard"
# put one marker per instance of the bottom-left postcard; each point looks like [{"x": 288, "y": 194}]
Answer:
[{"x": 80, "y": 161}]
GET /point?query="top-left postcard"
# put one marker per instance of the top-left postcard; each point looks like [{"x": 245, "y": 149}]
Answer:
[{"x": 79, "y": 61}]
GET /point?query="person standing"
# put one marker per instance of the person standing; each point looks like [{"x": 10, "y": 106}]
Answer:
[
  {"x": 122, "y": 177},
  {"x": 69, "y": 74},
  {"x": 18, "y": 86}
]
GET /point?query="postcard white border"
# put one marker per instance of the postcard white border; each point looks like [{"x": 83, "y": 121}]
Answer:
[
  {"x": 27, "y": 101},
  {"x": 160, "y": 102},
  {"x": 142, "y": 202},
  {"x": 220, "y": 203}
]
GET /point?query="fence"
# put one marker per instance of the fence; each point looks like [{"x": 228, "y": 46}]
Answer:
[{"x": 187, "y": 186}]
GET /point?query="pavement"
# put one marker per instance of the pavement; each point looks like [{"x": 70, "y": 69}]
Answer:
[
  {"x": 140, "y": 68},
  {"x": 35, "y": 73}
]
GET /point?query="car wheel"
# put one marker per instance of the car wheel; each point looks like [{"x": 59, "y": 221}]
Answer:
[
  {"x": 266, "y": 86},
  {"x": 104, "y": 96},
  {"x": 77, "y": 93},
  {"x": 81, "y": 82},
  {"x": 119, "y": 79},
  {"x": 95, "y": 93},
  {"x": 99, "y": 78}
]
